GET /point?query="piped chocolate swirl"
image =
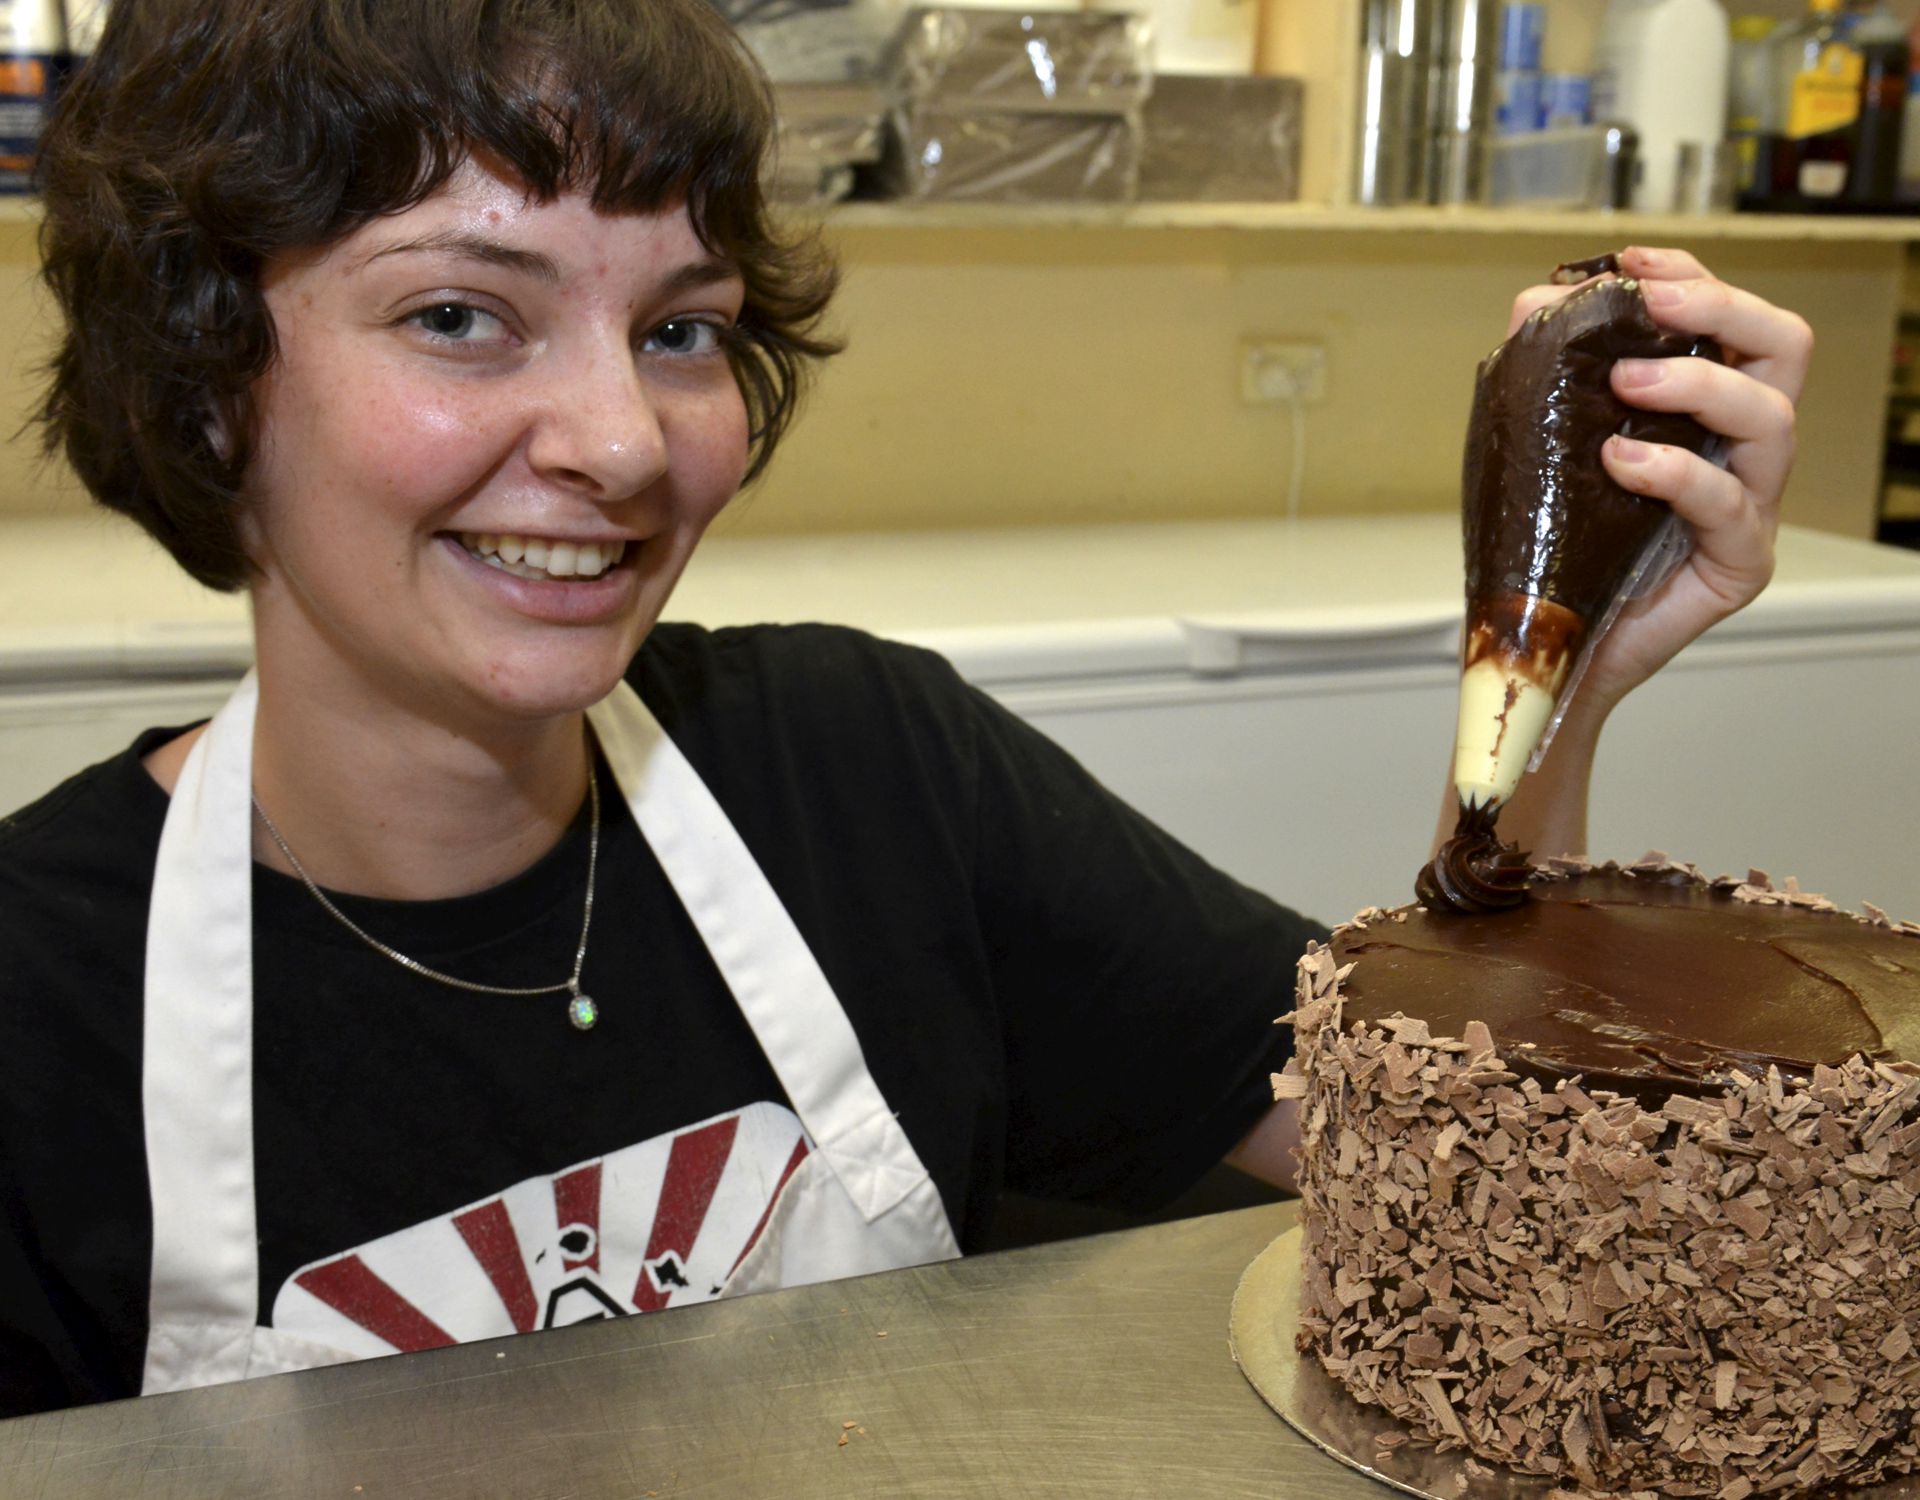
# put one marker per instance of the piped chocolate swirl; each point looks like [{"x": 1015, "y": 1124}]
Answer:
[{"x": 1473, "y": 872}]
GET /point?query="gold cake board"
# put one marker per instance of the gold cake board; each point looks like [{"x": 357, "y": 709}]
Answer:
[{"x": 1261, "y": 1329}]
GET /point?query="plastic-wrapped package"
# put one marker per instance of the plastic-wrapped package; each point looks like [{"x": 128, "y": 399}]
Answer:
[
  {"x": 1017, "y": 106},
  {"x": 826, "y": 130},
  {"x": 1209, "y": 138},
  {"x": 1033, "y": 59},
  {"x": 1008, "y": 156},
  {"x": 816, "y": 41}
]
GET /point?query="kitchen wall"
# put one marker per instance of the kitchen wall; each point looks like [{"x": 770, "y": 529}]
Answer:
[
  {"x": 1010, "y": 376},
  {"x": 26, "y": 485},
  {"x": 1006, "y": 376}
]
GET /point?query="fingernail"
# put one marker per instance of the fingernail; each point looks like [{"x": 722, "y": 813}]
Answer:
[
  {"x": 1640, "y": 372},
  {"x": 1663, "y": 293},
  {"x": 1628, "y": 450},
  {"x": 1650, "y": 260}
]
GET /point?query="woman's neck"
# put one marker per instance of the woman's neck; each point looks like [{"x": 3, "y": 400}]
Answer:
[
  {"x": 396, "y": 804},
  {"x": 392, "y": 803}
]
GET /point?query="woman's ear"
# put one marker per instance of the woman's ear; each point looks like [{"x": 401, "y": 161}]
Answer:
[{"x": 218, "y": 426}]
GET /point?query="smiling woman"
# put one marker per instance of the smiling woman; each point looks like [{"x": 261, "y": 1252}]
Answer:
[
  {"x": 203, "y": 143},
  {"x": 499, "y": 957},
  {"x": 481, "y": 365}
]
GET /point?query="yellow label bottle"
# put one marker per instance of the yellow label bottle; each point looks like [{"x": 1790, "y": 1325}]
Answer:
[
  {"x": 1817, "y": 77},
  {"x": 1826, "y": 95}
]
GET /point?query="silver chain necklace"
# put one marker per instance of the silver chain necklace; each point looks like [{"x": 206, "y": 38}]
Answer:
[{"x": 581, "y": 1009}]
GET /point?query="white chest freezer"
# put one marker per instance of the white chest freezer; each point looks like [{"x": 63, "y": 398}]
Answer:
[{"x": 1279, "y": 696}]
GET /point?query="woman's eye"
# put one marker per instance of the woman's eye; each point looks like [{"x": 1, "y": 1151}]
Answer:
[
  {"x": 457, "y": 321},
  {"x": 684, "y": 336}
]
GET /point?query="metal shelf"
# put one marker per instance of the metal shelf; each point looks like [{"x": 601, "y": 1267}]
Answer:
[{"x": 1309, "y": 218}]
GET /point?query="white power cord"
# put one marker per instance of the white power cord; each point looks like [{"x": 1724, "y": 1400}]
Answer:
[
  {"x": 1283, "y": 385},
  {"x": 1297, "y": 478},
  {"x": 1284, "y": 372}
]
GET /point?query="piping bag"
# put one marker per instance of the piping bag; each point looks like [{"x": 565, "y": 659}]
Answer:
[{"x": 1555, "y": 549}]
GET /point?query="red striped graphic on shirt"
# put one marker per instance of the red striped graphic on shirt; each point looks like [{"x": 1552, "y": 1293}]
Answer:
[
  {"x": 693, "y": 1172},
  {"x": 350, "y": 1287},
  {"x": 489, "y": 1234},
  {"x": 576, "y": 1200},
  {"x": 793, "y": 1162}
]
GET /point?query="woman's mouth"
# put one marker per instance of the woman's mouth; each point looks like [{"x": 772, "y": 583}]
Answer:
[{"x": 544, "y": 558}]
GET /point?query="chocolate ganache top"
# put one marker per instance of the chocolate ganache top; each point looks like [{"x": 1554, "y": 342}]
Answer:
[{"x": 1649, "y": 985}]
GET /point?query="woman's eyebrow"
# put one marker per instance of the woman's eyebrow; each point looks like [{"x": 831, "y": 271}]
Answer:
[
  {"x": 477, "y": 247},
  {"x": 696, "y": 274}
]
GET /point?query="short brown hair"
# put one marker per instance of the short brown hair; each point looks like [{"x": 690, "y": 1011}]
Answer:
[{"x": 205, "y": 137}]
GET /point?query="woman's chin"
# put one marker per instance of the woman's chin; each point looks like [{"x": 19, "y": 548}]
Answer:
[{"x": 547, "y": 690}]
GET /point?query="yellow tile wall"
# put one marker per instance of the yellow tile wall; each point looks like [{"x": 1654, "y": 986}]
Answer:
[
  {"x": 1009, "y": 376},
  {"x": 1005, "y": 376}
]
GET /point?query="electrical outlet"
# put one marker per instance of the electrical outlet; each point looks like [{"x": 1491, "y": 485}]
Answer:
[{"x": 1268, "y": 369}]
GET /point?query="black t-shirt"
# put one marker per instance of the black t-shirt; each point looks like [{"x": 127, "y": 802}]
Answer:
[{"x": 1053, "y": 995}]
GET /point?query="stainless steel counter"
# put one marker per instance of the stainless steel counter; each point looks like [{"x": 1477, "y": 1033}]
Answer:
[{"x": 1095, "y": 1367}]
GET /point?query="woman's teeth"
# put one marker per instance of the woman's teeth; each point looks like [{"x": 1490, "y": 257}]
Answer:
[{"x": 537, "y": 557}]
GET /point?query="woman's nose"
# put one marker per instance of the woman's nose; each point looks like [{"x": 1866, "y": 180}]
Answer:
[{"x": 598, "y": 430}]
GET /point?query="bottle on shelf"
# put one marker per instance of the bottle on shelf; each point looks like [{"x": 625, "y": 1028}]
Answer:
[
  {"x": 1873, "y": 178},
  {"x": 33, "y": 41},
  {"x": 1751, "y": 117},
  {"x": 1909, "y": 191},
  {"x": 1817, "y": 78},
  {"x": 1661, "y": 66}
]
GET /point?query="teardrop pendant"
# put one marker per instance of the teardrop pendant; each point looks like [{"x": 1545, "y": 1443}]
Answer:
[{"x": 582, "y": 1012}]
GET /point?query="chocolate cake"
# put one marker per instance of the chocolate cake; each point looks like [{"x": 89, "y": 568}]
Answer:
[{"x": 1621, "y": 1186}]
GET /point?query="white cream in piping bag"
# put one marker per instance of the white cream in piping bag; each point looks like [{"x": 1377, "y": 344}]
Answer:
[
  {"x": 1503, "y": 715},
  {"x": 1518, "y": 661}
]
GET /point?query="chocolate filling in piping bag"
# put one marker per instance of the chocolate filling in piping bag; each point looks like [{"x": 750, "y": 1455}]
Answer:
[{"x": 1554, "y": 547}]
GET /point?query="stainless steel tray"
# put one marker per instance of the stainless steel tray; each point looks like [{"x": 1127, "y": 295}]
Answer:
[{"x": 1265, "y": 1317}]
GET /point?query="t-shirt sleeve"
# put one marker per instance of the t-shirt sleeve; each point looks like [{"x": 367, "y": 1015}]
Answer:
[
  {"x": 40, "y": 1364},
  {"x": 1138, "y": 985}
]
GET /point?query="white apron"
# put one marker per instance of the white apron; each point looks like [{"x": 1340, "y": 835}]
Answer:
[{"x": 860, "y": 1201}]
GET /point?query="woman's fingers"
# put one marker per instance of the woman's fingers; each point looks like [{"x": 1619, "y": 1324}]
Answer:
[
  {"x": 1749, "y": 402},
  {"x": 1772, "y": 345},
  {"x": 1651, "y": 263},
  {"x": 1635, "y": 260},
  {"x": 1733, "y": 533},
  {"x": 1756, "y": 418},
  {"x": 1734, "y": 511},
  {"x": 1531, "y": 301}
]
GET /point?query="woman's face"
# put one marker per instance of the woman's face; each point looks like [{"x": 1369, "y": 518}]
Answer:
[{"x": 493, "y": 434}]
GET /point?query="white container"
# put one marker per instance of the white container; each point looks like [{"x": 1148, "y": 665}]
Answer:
[
  {"x": 32, "y": 28},
  {"x": 1202, "y": 36},
  {"x": 1545, "y": 169},
  {"x": 85, "y": 18},
  {"x": 1661, "y": 66}
]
